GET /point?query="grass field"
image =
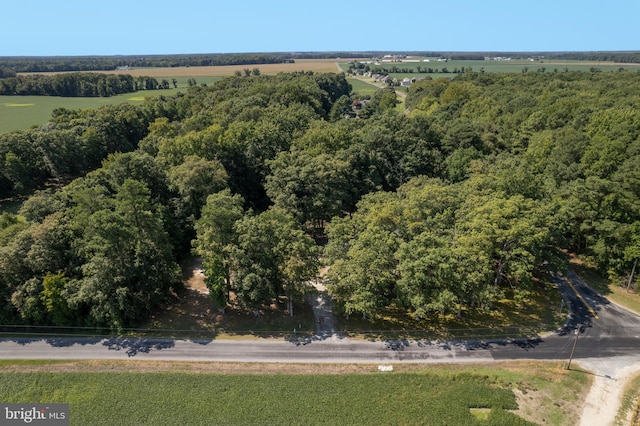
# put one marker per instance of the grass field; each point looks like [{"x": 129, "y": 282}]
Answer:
[
  {"x": 141, "y": 393},
  {"x": 23, "y": 112},
  {"x": 361, "y": 87}
]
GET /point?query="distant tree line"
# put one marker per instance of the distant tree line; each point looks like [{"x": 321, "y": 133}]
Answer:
[
  {"x": 77, "y": 85},
  {"x": 107, "y": 63},
  {"x": 394, "y": 69},
  {"x": 629, "y": 57}
]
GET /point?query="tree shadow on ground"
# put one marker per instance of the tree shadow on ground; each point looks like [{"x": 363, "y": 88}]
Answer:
[{"x": 468, "y": 345}]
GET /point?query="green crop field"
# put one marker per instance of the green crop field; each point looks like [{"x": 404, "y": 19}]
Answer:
[
  {"x": 445, "y": 395},
  {"x": 23, "y": 112}
]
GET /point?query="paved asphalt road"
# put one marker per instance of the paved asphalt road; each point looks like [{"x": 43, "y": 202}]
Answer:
[{"x": 605, "y": 330}]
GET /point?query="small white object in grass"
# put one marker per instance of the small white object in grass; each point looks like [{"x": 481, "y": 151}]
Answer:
[{"x": 385, "y": 368}]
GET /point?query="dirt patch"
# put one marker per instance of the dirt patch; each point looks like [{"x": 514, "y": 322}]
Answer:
[
  {"x": 191, "y": 309},
  {"x": 195, "y": 281},
  {"x": 192, "y": 313},
  {"x": 611, "y": 376}
]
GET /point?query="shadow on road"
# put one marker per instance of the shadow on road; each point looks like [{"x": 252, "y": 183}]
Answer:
[
  {"x": 58, "y": 342},
  {"x": 61, "y": 342},
  {"x": 133, "y": 346},
  {"x": 526, "y": 344}
]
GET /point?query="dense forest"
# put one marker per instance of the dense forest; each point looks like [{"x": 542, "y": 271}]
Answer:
[
  {"x": 78, "y": 85},
  {"x": 480, "y": 185}
]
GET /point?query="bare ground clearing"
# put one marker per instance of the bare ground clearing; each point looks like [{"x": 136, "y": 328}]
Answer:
[{"x": 192, "y": 313}]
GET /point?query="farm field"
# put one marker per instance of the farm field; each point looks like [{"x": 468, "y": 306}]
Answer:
[
  {"x": 164, "y": 393},
  {"x": 23, "y": 112},
  {"x": 315, "y": 65},
  {"x": 495, "y": 66}
]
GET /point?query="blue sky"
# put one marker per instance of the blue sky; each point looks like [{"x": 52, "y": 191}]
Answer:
[{"x": 74, "y": 27}]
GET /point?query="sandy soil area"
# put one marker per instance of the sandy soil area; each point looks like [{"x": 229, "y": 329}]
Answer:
[{"x": 605, "y": 396}]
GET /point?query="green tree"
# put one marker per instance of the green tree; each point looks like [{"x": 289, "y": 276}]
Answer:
[
  {"x": 216, "y": 241},
  {"x": 274, "y": 258},
  {"x": 362, "y": 272},
  {"x": 129, "y": 266},
  {"x": 55, "y": 297},
  {"x": 196, "y": 179},
  {"x": 312, "y": 188},
  {"x": 341, "y": 109}
]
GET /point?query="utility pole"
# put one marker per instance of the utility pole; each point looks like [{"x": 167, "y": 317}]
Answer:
[
  {"x": 575, "y": 342},
  {"x": 633, "y": 270}
]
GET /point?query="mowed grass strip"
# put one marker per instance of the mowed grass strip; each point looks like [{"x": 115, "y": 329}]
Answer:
[{"x": 440, "y": 395}]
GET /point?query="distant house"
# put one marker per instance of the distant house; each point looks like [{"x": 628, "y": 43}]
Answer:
[
  {"x": 381, "y": 77},
  {"x": 407, "y": 81}
]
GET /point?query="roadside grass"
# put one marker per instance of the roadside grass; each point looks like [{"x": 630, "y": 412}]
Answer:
[
  {"x": 537, "y": 313},
  {"x": 137, "y": 392},
  {"x": 611, "y": 290},
  {"x": 629, "y": 412}
]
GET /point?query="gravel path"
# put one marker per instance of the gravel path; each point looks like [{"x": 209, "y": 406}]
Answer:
[
  {"x": 603, "y": 400},
  {"x": 322, "y": 311}
]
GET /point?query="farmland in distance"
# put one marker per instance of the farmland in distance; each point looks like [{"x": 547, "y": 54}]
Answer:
[{"x": 23, "y": 112}]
